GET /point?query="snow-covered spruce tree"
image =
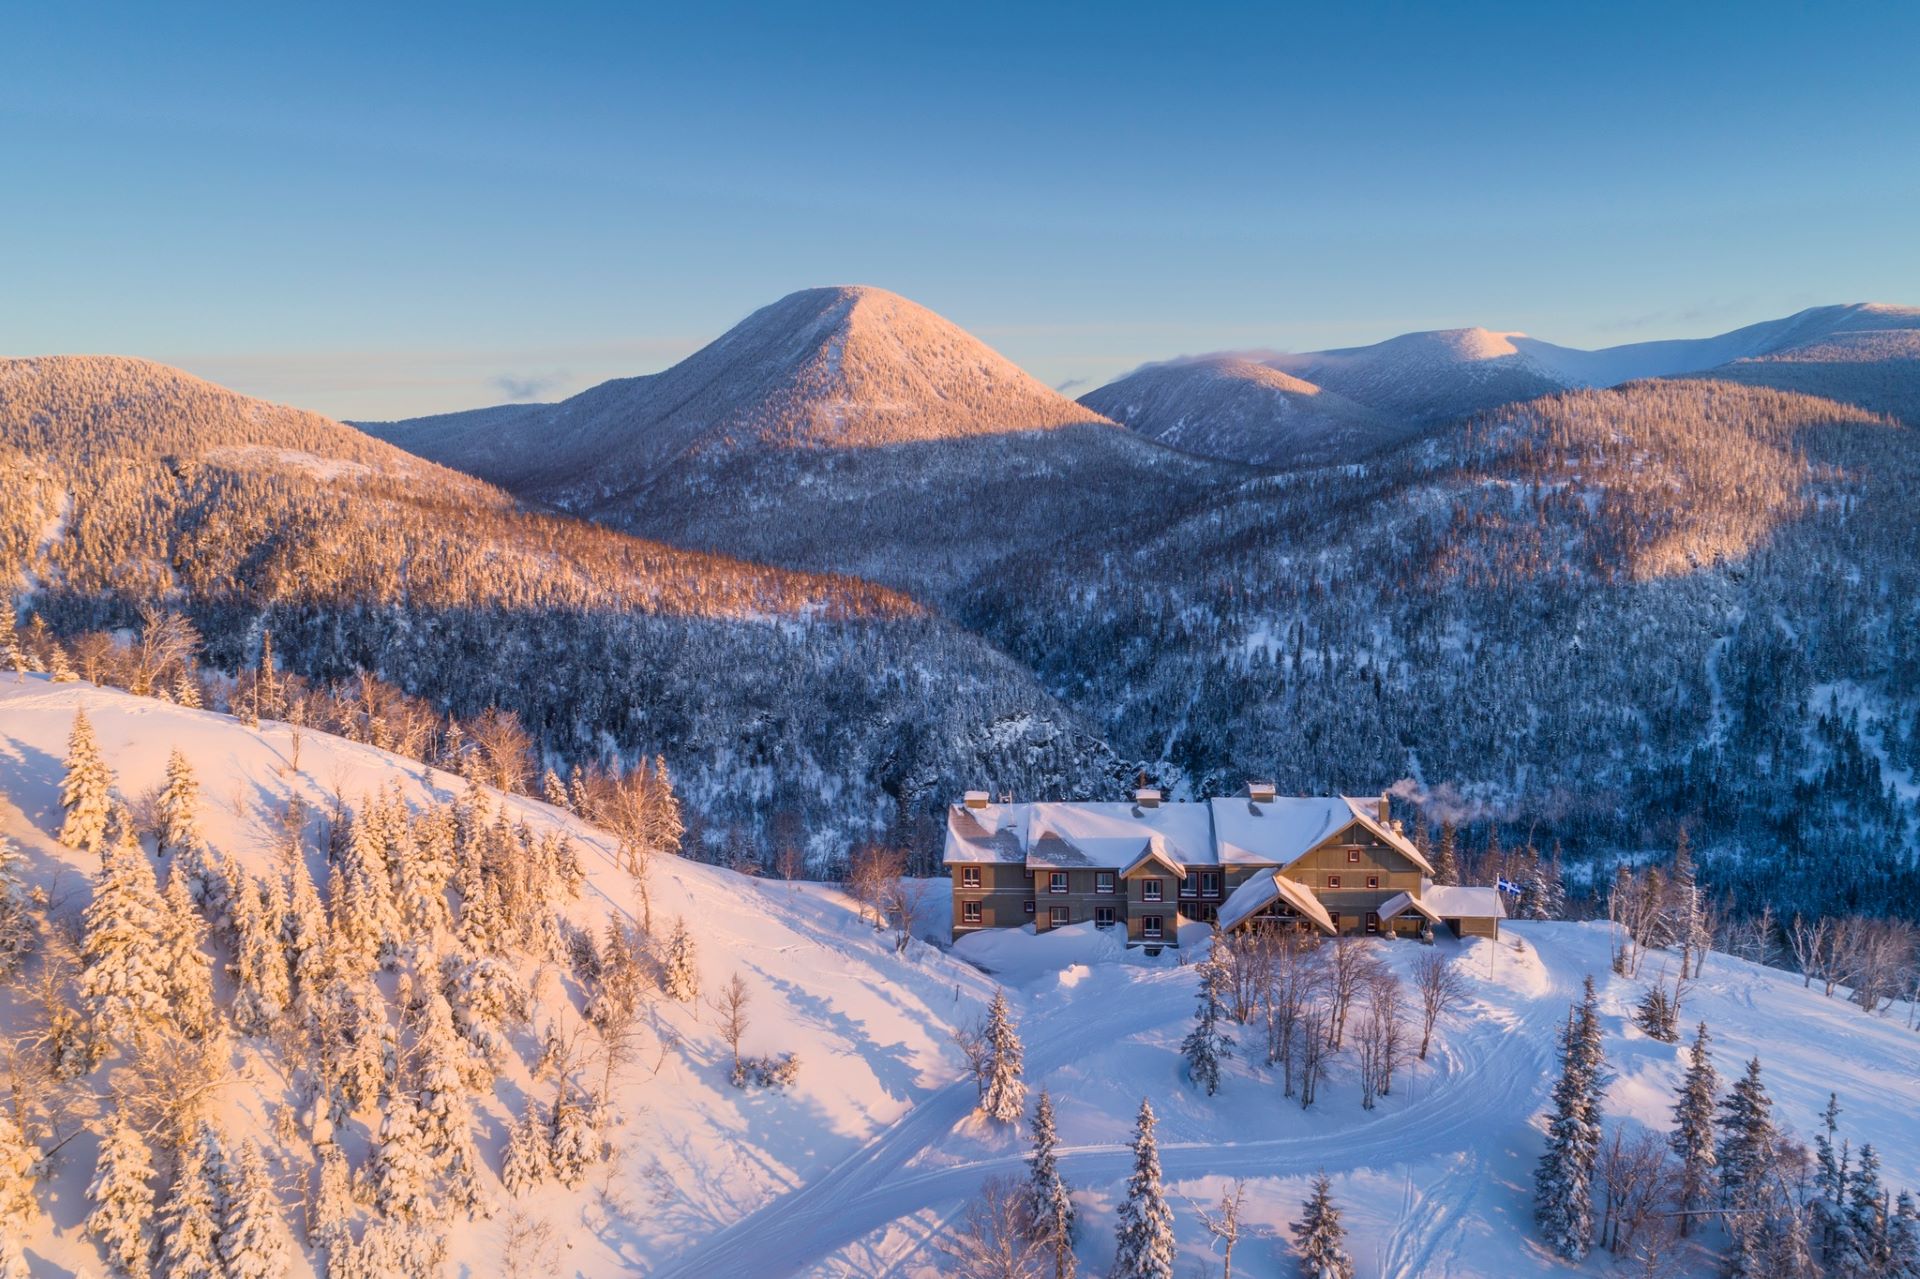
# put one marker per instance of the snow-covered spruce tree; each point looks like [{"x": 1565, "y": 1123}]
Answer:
[
  {"x": 1563, "y": 1182},
  {"x": 123, "y": 982},
  {"x": 19, "y": 1167},
  {"x": 330, "y": 1209},
  {"x": 576, "y": 1139},
  {"x": 261, "y": 987},
  {"x": 58, "y": 666},
  {"x": 305, "y": 934},
  {"x": 402, "y": 1166},
  {"x": 1832, "y": 1167},
  {"x": 1208, "y": 1043},
  {"x": 488, "y": 999},
  {"x": 1692, "y": 1137},
  {"x": 16, "y": 909},
  {"x": 449, "y": 1075},
  {"x": 253, "y": 1240},
  {"x": 1903, "y": 1238},
  {"x": 122, "y": 1197},
  {"x": 1319, "y": 1236},
  {"x": 1749, "y": 1145},
  {"x": 1052, "y": 1204},
  {"x": 177, "y": 815},
  {"x": 365, "y": 921},
  {"x": 554, "y": 791},
  {"x": 1005, "y": 1095},
  {"x": 682, "y": 977},
  {"x": 189, "y": 969},
  {"x": 528, "y": 1162},
  {"x": 1145, "y": 1230},
  {"x": 86, "y": 792},
  {"x": 1446, "y": 869},
  {"x": 1864, "y": 1250},
  {"x": 189, "y": 1222},
  {"x": 421, "y": 873}
]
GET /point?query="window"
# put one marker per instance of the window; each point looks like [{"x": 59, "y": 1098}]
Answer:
[
  {"x": 970, "y": 877},
  {"x": 1353, "y": 856},
  {"x": 1105, "y": 916},
  {"x": 1189, "y": 886},
  {"x": 1333, "y": 881},
  {"x": 1103, "y": 881},
  {"x": 1057, "y": 882},
  {"x": 1056, "y": 916},
  {"x": 1333, "y": 917},
  {"x": 1205, "y": 913},
  {"x": 1373, "y": 881},
  {"x": 1373, "y": 922},
  {"x": 1150, "y": 890},
  {"x": 1029, "y": 905},
  {"x": 1210, "y": 884},
  {"x": 1150, "y": 927},
  {"x": 1029, "y": 874},
  {"x": 969, "y": 912}
]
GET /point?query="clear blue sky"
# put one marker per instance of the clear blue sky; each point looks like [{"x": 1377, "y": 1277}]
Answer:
[{"x": 400, "y": 209}]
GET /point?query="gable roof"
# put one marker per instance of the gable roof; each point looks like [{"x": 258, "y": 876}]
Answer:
[
  {"x": 1399, "y": 903},
  {"x": 1463, "y": 901},
  {"x": 1265, "y": 888},
  {"x": 1155, "y": 852}
]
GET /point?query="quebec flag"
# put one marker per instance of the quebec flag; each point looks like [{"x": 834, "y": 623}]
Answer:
[{"x": 1506, "y": 885}]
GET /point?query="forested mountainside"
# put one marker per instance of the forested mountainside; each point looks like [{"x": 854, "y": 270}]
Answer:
[
  {"x": 839, "y": 429},
  {"x": 1240, "y": 410},
  {"x": 1599, "y": 615},
  {"x": 127, "y": 486}
]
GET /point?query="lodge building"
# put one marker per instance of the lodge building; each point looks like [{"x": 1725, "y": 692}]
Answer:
[{"x": 1330, "y": 863}]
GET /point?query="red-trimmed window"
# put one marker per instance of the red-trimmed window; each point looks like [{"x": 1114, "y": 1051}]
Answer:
[
  {"x": 1029, "y": 905},
  {"x": 1210, "y": 883},
  {"x": 1057, "y": 882},
  {"x": 1353, "y": 857},
  {"x": 1056, "y": 916},
  {"x": 1105, "y": 916},
  {"x": 1103, "y": 881},
  {"x": 1373, "y": 881},
  {"x": 969, "y": 877},
  {"x": 1333, "y": 917},
  {"x": 1373, "y": 922},
  {"x": 1150, "y": 927},
  {"x": 1150, "y": 890},
  {"x": 1190, "y": 886},
  {"x": 969, "y": 912},
  {"x": 1333, "y": 881}
]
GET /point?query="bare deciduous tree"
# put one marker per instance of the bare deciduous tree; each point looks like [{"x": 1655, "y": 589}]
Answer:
[
  {"x": 996, "y": 1236},
  {"x": 1441, "y": 988}
]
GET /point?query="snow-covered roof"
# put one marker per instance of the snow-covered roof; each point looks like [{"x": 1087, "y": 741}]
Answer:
[
  {"x": 1401, "y": 902},
  {"x": 1265, "y": 888},
  {"x": 1056, "y": 836},
  {"x": 1221, "y": 832},
  {"x": 1458, "y": 902},
  {"x": 1155, "y": 854}
]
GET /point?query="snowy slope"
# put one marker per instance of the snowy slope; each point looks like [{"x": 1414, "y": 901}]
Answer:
[
  {"x": 863, "y": 1166},
  {"x": 1233, "y": 408}
]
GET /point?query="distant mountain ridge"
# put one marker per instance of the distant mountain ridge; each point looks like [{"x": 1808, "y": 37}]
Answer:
[{"x": 1417, "y": 380}]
